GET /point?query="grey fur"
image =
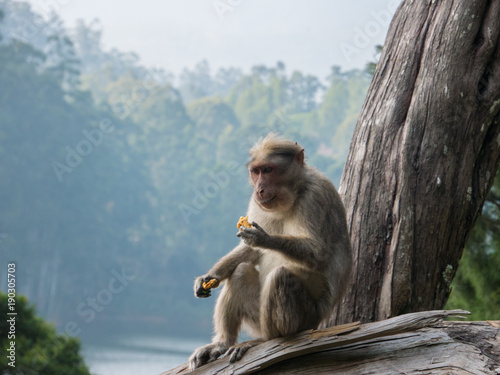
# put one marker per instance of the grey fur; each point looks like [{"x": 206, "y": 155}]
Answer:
[{"x": 291, "y": 267}]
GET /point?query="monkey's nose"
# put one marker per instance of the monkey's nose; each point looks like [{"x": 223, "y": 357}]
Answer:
[{"x": 261, "y": 193}]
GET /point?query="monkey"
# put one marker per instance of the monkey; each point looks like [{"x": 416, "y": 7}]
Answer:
[{"x": 291, "y": 267}]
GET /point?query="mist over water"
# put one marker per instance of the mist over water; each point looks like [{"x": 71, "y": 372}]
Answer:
[{"x": 132, "y": 355}]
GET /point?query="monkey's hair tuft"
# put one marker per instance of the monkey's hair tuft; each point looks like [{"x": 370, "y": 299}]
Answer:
[{"x": 273, "y": 144}]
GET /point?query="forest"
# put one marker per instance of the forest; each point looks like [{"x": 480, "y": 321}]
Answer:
[{"x": 120, "y": 183}]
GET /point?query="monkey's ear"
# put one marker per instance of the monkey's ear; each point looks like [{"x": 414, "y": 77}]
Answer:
[{"x": 300, "y": 157}]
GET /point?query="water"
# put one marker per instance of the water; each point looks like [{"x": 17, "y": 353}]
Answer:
[{"x": 134, "y": 355}]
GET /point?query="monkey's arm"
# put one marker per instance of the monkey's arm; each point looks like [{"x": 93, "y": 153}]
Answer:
[
  {"x": 225, "y": 267},
  {"x": 228, "y": 263},
  {"x": 303, "y": 249}
]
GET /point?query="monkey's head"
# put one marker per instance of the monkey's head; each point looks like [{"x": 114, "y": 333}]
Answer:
[{"x": 276, "y": 169}]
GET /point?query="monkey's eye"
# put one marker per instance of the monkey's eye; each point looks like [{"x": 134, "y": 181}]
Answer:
[
  {"x": 255, "y": 171},
  {"x": 267, "y": 170}
]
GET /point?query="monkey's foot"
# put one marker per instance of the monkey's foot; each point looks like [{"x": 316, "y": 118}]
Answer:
[
  {"x": 238, "y": 351},
  {"x": 207, "y": 354}
]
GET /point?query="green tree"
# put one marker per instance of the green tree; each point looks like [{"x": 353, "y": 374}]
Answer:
[
  {"x": 39, "y": 349},
  {"x": 335, "y": 103},
  {"x": 476, "y": 286},
  {"x": 196, "y": 83},
  {"x": 302, "y": 92},
  {"x": 211, "y": 116}
]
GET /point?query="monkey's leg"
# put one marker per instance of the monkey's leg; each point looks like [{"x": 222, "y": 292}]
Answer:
[
  {"x": 238, "y": 302},
  {"x": 287, "y": 307}
]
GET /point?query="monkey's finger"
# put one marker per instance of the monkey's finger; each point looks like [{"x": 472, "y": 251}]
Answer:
[
  {"x": 234, "y": 356},
  {"x": 238, "y": 353},
  {"x": 244, "y": 234},
  {"x": 246, "y": 231},
  {"x": 256, "y": 226},
  {"x": 202, "y": 292},
  {"x": 207, "y": 278},
  {"x": 216, "y": 353},
  {"x": 249, "y": 236},
  {"x": 199, "y": 358}
]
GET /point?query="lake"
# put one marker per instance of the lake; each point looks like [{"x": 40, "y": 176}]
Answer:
[{"x": 137, "y": 355}]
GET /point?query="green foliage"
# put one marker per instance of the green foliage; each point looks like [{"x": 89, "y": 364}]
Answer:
[
  {"x": 211, "y": 116},
  {"x": 38, "y": 347},
  {"x": 476, "y": 286}
]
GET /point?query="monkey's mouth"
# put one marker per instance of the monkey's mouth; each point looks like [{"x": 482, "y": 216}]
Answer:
[{"x": 267, "y": 201}]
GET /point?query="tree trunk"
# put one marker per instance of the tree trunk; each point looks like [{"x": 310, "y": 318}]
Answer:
[{"x": 423, "y": 156}]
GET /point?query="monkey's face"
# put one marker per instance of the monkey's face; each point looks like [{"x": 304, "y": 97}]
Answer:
[
  {"x": 271, "y": 188},
  {"x": 276, "y": 170}
]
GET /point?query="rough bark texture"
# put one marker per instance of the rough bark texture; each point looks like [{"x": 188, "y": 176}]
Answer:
[
  {"x": 423, "y": 156},
  {"x": 417, "y": 343}
]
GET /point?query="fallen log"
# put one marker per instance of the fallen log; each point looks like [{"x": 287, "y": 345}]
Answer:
[{"x": 415, "y": 343}]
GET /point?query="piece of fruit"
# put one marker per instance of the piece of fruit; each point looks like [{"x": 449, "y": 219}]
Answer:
[
  {"x": 243, "y": 222},
  {"x": 210, "y": 284}
]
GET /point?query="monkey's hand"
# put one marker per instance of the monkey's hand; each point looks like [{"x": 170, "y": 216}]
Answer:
[
  {"x": 255, "y": 236},
  {"x": 206, "y": 354},
  {"x": 200, "y": 291}
]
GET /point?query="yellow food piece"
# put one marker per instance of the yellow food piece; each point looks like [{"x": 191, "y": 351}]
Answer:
[
  {"x": 210, "y": 284},
  {"x": 243, "y": 222}
]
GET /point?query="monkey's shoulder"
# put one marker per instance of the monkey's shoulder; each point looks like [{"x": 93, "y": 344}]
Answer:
[
  {"x": 321, "y": 205},
  {"x": 318, "y": 182},
  {"x": 319, "y": 192}
]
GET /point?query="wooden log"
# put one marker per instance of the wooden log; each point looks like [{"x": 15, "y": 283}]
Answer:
[{"x": 412, "y": 343}]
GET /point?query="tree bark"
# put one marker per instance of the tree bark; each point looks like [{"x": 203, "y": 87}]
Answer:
[
  {"x": 417, "y": 343},
  {"x": 423, "y": 156}
]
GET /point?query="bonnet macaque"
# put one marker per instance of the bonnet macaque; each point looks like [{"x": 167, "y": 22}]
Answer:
[{"x": 291, "y": 267}]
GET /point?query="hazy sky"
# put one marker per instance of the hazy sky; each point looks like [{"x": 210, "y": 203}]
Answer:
[{"x": 308, "y": 35}]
